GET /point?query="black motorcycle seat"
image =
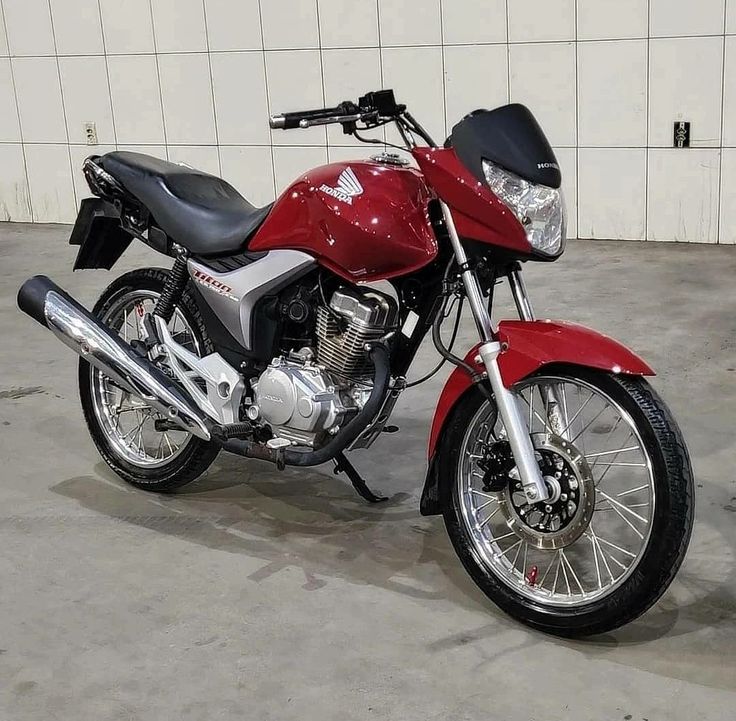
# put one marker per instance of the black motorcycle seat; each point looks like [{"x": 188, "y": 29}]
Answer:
[{"x": 201, "y": 212}]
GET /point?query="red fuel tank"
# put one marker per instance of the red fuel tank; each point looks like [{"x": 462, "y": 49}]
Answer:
[{"x": 364, "y": 220}]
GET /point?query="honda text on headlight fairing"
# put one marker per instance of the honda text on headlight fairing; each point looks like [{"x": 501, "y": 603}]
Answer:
[{"x": 563, "y": 479}]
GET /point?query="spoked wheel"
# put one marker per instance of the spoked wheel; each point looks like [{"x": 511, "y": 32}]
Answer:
[
  {"x": 607, "y": 543},
  {"x": 123, "y": 426}
]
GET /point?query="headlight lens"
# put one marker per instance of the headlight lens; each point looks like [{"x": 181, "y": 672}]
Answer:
[{"x": 540, "y": 210}]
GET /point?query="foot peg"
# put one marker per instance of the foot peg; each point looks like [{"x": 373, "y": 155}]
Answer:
[{"x": 343, "y": 465}]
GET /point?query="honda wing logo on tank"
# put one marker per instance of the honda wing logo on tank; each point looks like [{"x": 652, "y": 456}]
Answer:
[{"x": 348, "y": 186}]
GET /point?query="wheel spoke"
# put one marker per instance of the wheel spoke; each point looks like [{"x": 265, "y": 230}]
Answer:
[
  {"x": 622, "y": 506},
  {"x": 616, "y": 451},
  {"x": 566, "y": 560},
  {"x": 632, "y": 490}
]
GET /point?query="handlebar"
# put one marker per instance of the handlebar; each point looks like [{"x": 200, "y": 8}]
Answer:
[
  {"x": 371, "y": 107},
  {"x": 288, "y": 121}
]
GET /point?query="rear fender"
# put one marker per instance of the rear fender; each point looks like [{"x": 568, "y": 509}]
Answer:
[
  {"x": 527, "y": 347},
  {"x": 103, "y": 236}
]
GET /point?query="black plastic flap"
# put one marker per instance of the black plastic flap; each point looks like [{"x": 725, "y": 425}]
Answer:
[{"x": 98, "y": 234}]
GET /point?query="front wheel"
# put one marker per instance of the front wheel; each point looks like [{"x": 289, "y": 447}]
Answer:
[{"x": 611, "y": 538}]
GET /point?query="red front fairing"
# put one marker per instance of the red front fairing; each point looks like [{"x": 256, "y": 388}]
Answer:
[
  {"x": 477, "y": 212},
  {"x": 376, "y": 227}
]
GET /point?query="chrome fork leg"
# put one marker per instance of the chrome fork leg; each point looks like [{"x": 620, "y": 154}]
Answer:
[
  {"x": 532, "y": 482},
  {"x": 553, "y": 406}
]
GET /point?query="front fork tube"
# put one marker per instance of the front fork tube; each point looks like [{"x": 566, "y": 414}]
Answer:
[{"x": 535, "y": 488}]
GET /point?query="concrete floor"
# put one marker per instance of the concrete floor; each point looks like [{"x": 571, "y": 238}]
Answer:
[{"x": 266, "y": 595}]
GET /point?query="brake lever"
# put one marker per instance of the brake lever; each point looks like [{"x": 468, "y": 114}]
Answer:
[{"x": 365, "y": 117}]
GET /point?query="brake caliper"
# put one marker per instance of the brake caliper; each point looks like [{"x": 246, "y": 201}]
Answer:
[{"x": 496, "y": 464}]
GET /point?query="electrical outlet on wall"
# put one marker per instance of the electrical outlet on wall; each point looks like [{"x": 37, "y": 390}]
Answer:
[
  {"x": 90, "y": 132},
  {"x": 681, "y": 138}
]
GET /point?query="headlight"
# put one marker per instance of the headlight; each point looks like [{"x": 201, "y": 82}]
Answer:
[{"x": 540, "y": 210}]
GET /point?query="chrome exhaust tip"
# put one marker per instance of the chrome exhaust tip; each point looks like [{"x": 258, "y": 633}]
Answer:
[{"x": 52, "y": 307}]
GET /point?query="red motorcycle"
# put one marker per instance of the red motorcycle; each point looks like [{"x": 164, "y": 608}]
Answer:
[{"x": 286, "y": 333}]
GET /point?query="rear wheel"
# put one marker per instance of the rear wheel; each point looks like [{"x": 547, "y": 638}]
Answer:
[
  {"x": 122, "y": 426},
  {"x": 609, "y": 541}
]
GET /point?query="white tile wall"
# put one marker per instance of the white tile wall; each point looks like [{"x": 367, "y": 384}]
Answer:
[
  {"x": 50, "y": 183},
  {"x": 686, "y": 17},
  {"x": 77, "y": 27},
  {"x": 543, "y": 78},
  {"x": 236, "y": 76},
  {"x": 727, "y": 220},
  {"x": 78, "y": 75},
  {"x": 347, "y": 25},
  {"x": 39, "y": 100},
  {"x": 179, "y": 26},
  {"x": 541, "y": 20},
  {"x": 186, "y": 94},
  {"x": 3, "y": 36},
  {"x": 15, "y": 203},
  {"x": 127, "y": 26},
  {"x": 233, "y": 25},
  {"x": 249, "y": 169},
  {"x": 612, "y": 19},
  {"x": 409, "y": 23},
  {"x": 28, "y": 25},
  {"x": 194, "y": 81},
  {"x": 290, "y": 24},
  {"x": 686, "y": 78},
  {"x": 612, "y": 193},
  {"x": 675, "y": 212},
  {"x": 476, "y": 76},
  {"x": 9, "y": 125},
  {"x": 612, "y": 93},
  {"x": 136, "y": 99},
  {"x": 474, "y": 21}
]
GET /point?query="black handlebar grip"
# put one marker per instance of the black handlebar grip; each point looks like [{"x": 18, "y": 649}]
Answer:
[{"x": 288, "y": 121}]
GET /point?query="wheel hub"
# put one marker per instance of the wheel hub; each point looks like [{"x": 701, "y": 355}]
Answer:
[{"x": 565, "y": 515}]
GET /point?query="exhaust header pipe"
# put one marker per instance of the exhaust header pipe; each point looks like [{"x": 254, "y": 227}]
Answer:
[{"x": 100, "y": 346}]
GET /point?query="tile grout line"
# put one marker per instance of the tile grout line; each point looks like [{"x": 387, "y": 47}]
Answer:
[
  {"x": 17, "y": 113},
  {"x": 268, "y": 98},
  {"x": 158, "y": 78},
  {"x": 392, "y": 46},
  {"x": 577, "y": 125},
  {"x": 508, "y": 54},
  {"x": 721, "y": 154},
  {"x": 647, "y": 105},
  {"x": 444, "y": 72},
  {"x": 212, "y": 87},
  {"x": 107, "y": 73},
  {"x": 322, "y": 76},
  {"x": 380, "y": 63},
  {"x": 63, "y": 107}
]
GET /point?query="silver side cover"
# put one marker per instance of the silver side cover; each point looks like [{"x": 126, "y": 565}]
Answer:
[{"x": 233, "y": 295}]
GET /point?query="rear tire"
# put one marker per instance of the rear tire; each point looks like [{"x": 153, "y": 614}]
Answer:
[
  {"x": 195, "y": 455},
  {"x": 665, "y": 545}
]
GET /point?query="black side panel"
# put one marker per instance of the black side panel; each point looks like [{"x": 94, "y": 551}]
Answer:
[
  {"x": 510, "y": 137},
  {"x": 98, "y": 234}
]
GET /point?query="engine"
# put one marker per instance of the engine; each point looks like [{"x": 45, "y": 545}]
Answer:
[{"x": 311, "y": 393}]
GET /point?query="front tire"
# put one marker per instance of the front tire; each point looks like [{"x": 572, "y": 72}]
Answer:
[
  {"x": 629, "y": 567},
  {"x": 120, "y": 425}
]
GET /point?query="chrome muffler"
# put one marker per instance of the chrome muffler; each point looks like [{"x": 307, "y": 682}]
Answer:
[{"x": 100, "y": 346}]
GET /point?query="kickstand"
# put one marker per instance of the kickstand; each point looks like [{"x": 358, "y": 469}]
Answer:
[{"x": 343, "y": 465}]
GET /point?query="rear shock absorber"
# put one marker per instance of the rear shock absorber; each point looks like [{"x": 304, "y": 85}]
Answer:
[{"x": 173, "y": 288}]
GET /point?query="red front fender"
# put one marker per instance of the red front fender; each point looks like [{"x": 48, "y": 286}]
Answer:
[{"x": 529, "y": 345}]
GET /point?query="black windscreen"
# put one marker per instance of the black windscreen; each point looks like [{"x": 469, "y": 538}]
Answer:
[{"x": 508, "y": 136}]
